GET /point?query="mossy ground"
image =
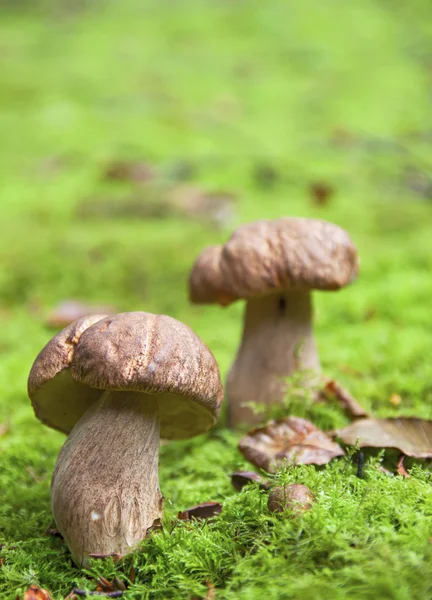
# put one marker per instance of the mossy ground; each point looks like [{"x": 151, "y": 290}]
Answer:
[{"x": 338, "y": 92}]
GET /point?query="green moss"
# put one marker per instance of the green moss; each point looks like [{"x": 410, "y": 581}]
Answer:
[{"x": 336, "y": 92}]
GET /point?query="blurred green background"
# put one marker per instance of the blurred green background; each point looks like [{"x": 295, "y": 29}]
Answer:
[{"x": 135, "y": 133}]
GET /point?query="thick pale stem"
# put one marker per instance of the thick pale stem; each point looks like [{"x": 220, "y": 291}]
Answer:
[
  {"x": 105, "y": 488},
  {"x": 277, "y": 342}
]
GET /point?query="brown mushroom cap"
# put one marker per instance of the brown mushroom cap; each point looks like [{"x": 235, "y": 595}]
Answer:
[
  {"x": 265, "y": 257},
  {"x": 137, "y": 351}
]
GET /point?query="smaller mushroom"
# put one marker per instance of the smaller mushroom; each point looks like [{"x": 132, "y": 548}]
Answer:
[
  {"x": 116, "y": 384},
  {"x": 274, "y": 265},
  {"x": 295, "y": 497}
]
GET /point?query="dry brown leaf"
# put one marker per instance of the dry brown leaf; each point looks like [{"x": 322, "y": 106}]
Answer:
[
  {"x": 132, "y": 575},
  {"x": 401, "y": 467},
  {"x": 295, "y": 497},
  {"x": 241, "y": 478},
  {"x": 36, "y": 593},
  {"x": 70, "y": 310},
  {"x": 206, "y": 510},
  {"x": 53, "y": 531},
  {"x": 289, "y": 440},
  {"x": 411, "y": 436},
  {"x": 333, "y": 389}
]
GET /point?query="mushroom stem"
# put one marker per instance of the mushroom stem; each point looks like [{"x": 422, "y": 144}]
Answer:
[
  {"x": 277, "y": 342},
  {"x": 105, "y": 489}
]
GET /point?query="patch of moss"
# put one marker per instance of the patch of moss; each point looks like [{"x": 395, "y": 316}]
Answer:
[{"x": 336, "y": 92}]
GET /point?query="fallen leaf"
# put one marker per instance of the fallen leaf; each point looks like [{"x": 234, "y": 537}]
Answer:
[
  {"x": 321, "y": 192},
  {"x": 401, "y": 467},
  {"x": 132, "y": 575},
  {"x": 295, "y": 497},
  {"x": 118, "y": 584},
  {"x": 70, "y": 310},
  {"x": 333, "y": 389},
  {"x": 104, "y": 585},
  {"x": 395, "y": 399},
  {"x": 36, "y": 593},
  {"x": 129, "y": 171},
  {"x": 289, "y": 440},
  {"x": 241, "y": 478},
  {"x": 53, "y": 531},
  {"x": 206, "y": 510},
  {"x": 155, "y": 526},
  {"x": 411, "y": 436}
]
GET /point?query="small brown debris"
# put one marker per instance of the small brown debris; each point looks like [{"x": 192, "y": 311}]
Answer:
[
  {"x": 241, "y": 478},
  {"x": 132, "y": 575},
  {"x": 104, "y": 585},
  {"x": 53, "y": 531},
  {"x": 155, "y": 527},
  {"x": 118, "y": 584},
  {"x": 395, "y": 399},
  {"x": 128, "y": 171},
  {"x": 36, "y": 593},
  {"x": 206, "y": 510},
  {"x": 70, "y": 310},
  {"x": 333, "y": 389},
  {"x": 401, "y": 467},
  {"x": 3, "y": 429},
  {"x": 295, "y": 497},
  {"x": 321, "y": 192},
  {"x": 411, "y": 436},
  {"x": 289, "y": 440}
]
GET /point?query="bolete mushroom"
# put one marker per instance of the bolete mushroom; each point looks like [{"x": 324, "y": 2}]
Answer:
[
  {"x": 274, "y": 265},
  {"x": 296, "y": 498},
  {"x": 115, "y": 384}
]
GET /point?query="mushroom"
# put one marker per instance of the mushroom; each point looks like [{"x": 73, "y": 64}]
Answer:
[
  {"x": 115, "y": 384},
  {"x": 274, "y": 265},
  {"x": 296, "y": 498}
]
